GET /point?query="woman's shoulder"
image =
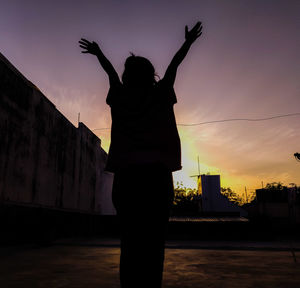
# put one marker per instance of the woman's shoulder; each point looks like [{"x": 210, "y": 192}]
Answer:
[
  {"x": 166, "y": 90},
  {"x": 164, "y": 84},
  {"x": 115, "y": 91}
]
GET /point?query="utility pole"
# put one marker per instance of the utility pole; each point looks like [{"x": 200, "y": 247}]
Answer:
[
  {"x": 198, "y": 177},
  {"x": 297, "y": 156},
  {"x": 78, "y": 118},
  {"x": 199, "y": 186}
]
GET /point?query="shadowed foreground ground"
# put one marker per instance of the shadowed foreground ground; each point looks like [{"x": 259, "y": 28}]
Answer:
[{"x": 91, "y": 266}]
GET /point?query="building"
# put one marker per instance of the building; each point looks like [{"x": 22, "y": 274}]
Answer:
[
  {"x": 213, "y": 200},
  {"x": 279, "y": 204},
  {"x": 45, "y": 161}
]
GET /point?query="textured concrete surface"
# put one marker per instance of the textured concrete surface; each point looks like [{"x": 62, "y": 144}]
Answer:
[
  {"x": 44, "y": 159},
  {"x": 91, "y": 266}
]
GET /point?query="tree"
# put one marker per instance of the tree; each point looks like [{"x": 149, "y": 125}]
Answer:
[
  {"x": 232, "y": 196},
  {"x": 186, "y": 201},
  {"x": 275, "y": 186}
]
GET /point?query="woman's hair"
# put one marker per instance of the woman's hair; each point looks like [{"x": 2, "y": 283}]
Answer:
[{"x": 138, "y": 71}]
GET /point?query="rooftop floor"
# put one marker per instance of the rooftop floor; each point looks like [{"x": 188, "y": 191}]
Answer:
[{"x": 94, "y": 263}]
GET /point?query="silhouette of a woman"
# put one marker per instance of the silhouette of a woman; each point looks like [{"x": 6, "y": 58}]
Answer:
[{"x": 144, "y": 151}]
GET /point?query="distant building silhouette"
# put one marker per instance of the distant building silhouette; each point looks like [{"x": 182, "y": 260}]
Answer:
[
  {"x": 213, "y": 200},
  {"x": 279, "y": 204}
]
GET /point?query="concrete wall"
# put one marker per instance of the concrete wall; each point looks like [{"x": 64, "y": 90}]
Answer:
[{"x": 44, "y": 159}]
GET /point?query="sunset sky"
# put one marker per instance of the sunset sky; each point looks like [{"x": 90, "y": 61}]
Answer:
[{"x": 245, "y": 65}]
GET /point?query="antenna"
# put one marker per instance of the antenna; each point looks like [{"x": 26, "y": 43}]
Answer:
[
  {"x": 78, "y": 118},
  {"x": 198, "y": 176},
  {"x": 246, "y": 194}
]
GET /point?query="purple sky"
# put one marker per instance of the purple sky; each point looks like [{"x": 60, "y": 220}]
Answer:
[{"x": 245, "y": 65}]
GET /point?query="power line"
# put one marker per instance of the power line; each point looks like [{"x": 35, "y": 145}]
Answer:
[
  {"x": 101, "y": 129},
  {"x": 241, "y": 119},
  {"x": 228, "y": 120}
]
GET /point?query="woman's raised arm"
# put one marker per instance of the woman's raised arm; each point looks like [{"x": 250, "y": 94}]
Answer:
[
  {"x": 190, "y": 38},
  {"x": 93, "y": 48}
]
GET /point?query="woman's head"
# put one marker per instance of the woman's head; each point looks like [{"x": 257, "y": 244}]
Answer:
[{"x": 138, "y": 72}]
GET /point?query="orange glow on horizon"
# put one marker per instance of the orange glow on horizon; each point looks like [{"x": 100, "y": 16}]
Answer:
[
  {"x": 192, "y": 149},
  {"x": 190, "y": 152}
]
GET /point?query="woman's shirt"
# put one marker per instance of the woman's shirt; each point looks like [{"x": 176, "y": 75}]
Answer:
[{"x": 143, "y": 127}]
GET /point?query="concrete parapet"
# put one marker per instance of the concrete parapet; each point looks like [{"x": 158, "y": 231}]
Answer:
[{"x": 44, "y": 159}]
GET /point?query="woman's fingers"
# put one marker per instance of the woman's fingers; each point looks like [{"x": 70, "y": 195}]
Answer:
[
  {"x": 198, "y": 24},
  {"x": 195, "y": 30},
  {"x": 84, "y": 47},
  {"x": 198, "y": 35},
  {"x": 84, "y": 44},
  {"x": 194, "y": 33},
  {"x": 196, "y": 27},
  {"x": 85, "y": 41},
  {"x": 89, "y": 47}
]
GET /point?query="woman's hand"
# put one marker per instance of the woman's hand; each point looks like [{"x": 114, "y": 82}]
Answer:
[
  {"x": 90, "y": 47},
  {"x": 194, "y": 33}
]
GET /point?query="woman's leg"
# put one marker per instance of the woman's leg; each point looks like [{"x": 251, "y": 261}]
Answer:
[{"x": 142, "y": 196}]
